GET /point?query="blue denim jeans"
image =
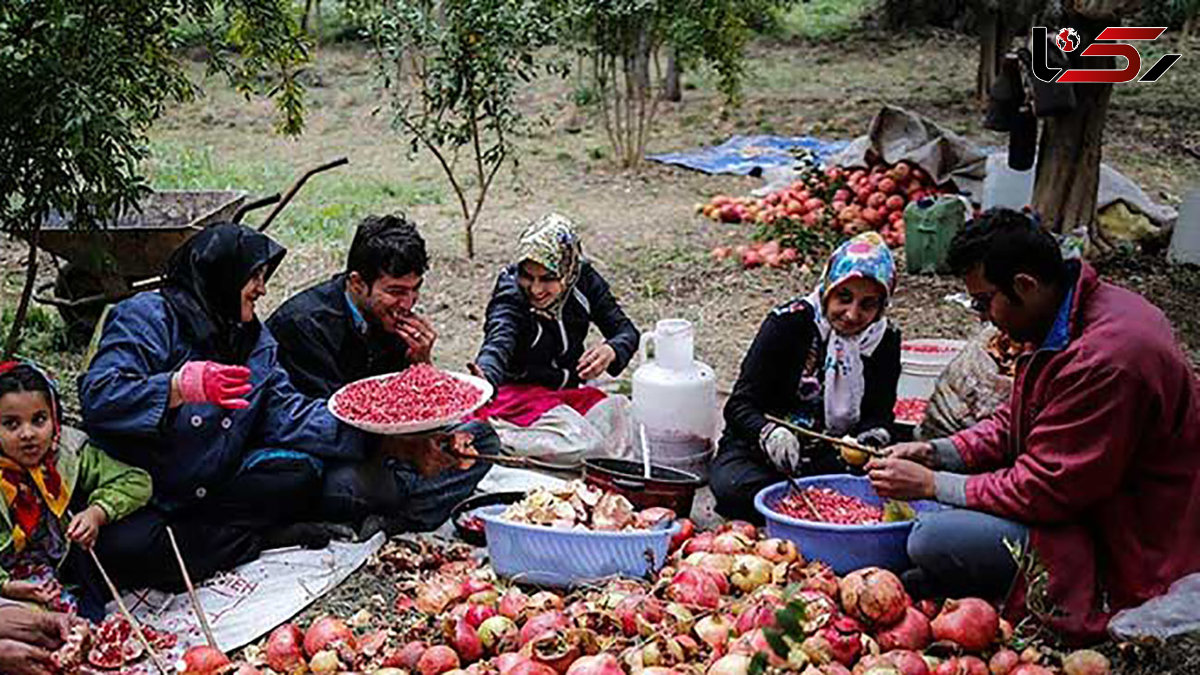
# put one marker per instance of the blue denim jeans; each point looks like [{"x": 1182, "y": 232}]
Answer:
[
  {"x": 958, "y": 553},
  {"x": 394, "y": 489}
]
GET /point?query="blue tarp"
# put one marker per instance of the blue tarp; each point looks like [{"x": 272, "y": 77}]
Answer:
[{"x": 742, "y": 154}]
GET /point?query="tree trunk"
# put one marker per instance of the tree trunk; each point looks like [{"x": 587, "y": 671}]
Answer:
[
  {"x": 14, "y": 331},
  {"x": 671, "y": 89},
  {"x": 992, "y": 45},
  {"x": 1070, "y": 150}
]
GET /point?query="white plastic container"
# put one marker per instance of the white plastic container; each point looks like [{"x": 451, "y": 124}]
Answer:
[
  {"x": 1185, "y": 238},
  {"x": 675, "y": 400},
  {"x": 922, "y": 363},
  {"x": 1005, "y": 187}
]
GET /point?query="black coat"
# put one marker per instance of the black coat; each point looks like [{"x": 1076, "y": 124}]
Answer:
[
  {"x": 320, "y": 346},
  {"x": 522, "y": 347},
  {"x": 788, "y": 347}
]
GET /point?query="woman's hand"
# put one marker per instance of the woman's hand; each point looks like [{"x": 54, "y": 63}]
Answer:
[
  {"x": 19, "y": 658},
  {"x": 595, "y": 361},
  {"x": 41, "y": 592},
  {"x": 85, "y": 526},
  {"x": 900, "y": 479}
]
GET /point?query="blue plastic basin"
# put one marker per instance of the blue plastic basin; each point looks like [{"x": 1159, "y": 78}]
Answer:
[
  {"x": 547, "y": 556},
  {"x": 844, "y": 547}
]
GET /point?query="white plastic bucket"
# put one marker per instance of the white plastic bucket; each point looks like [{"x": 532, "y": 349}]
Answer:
[{"x": 922, "y": 363}]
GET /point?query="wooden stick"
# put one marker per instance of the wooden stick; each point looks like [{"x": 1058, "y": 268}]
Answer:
[
  {"x": 494, "y": 459},
  {"x": 137, "y": 628},
  {"x": 187, "y": 581},
  {"x": 828, "y": 439},
  {"x": 811, "y": 506}
]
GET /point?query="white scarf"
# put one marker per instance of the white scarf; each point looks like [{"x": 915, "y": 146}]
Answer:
[{"x": 845, "y": 383}]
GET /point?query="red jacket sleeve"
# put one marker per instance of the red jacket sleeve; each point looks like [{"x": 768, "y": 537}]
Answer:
[
  {"x": 1076, "y": 451},
  {"x": 984, "y": 446}
]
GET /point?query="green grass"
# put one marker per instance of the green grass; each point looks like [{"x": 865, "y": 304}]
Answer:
[
  {"x": 823, "y": 19},
  {"x": 328, "y": 206}
]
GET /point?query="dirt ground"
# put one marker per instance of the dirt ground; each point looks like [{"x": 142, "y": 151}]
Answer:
[{"x": 638, "y": 227}]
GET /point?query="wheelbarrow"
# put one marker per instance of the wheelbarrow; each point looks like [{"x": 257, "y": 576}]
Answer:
[{"x": 129, "y": 253}]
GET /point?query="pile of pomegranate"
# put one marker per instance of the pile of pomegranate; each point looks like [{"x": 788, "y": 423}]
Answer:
[
  {"x": 419, "y": 393},
  {"x": 838, "y": 201},
  {"x": 824, "y": 505},
  {"x": 719, "y": 601},
  {"x": 578, "y": 505}
]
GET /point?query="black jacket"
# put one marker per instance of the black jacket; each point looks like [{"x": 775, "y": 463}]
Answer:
[
  {"x": 522, "y": 347},
  {"x": 320, "y": 346},
  {"x": 783, "y": 352}
]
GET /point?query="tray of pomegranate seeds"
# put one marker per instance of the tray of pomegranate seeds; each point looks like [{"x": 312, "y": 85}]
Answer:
[{"x": 418, "y": 398}]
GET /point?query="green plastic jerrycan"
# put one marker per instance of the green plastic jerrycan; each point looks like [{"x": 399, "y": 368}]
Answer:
[{"x": 929, "y": 226}]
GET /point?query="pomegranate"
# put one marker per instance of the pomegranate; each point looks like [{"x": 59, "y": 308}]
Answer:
[
  {"x": 1003, "y": 662},
  {"x": 758, "y": 615},
  {"x": 466, "y": 642},
  {"x": 328, "y": 632},
  {"x": 541, "y": 624},
  {"x": 324, "y": 661},
  {"x": 713, "y": 630},
  {"x": 638, "y": 613},
  {"x": 436, "y": 595},
  {"x": 407, "y": 656},
  {"x": 371, "y": 643},
  {"x": 717, "y": 577},
  {"x": 246, "y": 669},
  {"x": 202, "y": 660},
  {"x": 687, "y": 528},
  {"x": 1086, "y": 662},
  {"x": 507, "y": 661},
  {"x": 477, "y": 614},
  {"x": 750, "y": 572},
  {"x": 971, "y": 623},
  {"x": 819, "y": 609},
  {"x": 717, "y": 562},
  {"x": 693, "y": 588},
  {"x": 874, "y": 595},
  {"x": 556, "y": 649},
  {"x": 930, "y": 608},
  {"x": 529, "y": 667},
  {"x": 730, "y": 664},
  {"x": 907, "y": 662},
  {"x": 498, "y": 632},
  {"x": 818, "y": 576},
  {"x": 1030, "y": 669},
  {"x": 1006, "y": 632},
  {"x": 544, "y": 601},
  {"x": 284, "y": 650},
  {"x": 887, "y": 186},
  {"x": 962, "y": 665},
  {"x": 436, "y": 660},
  {"x": 844, "y": 635},
  {"x": 513, "y": 602},
  {"x": 911, "y": 632},
  {"x": 600, "y": 664},
  {"x": 731, "y": 543}
]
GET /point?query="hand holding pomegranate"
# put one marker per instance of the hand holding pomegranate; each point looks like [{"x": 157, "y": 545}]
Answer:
[{"x": 900, "y": 479}]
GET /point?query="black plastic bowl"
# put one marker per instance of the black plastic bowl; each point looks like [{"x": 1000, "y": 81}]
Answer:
[{"x": 466, "y": 506}]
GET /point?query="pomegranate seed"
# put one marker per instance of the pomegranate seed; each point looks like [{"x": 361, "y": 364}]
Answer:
[
  {"x": 910, "y": 409},
  {"x": 831, "y": 507},
  {"x": 419, "y": 393}
]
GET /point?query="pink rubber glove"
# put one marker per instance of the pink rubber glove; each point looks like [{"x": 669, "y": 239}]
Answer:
[{"x": 212, "y": 382}]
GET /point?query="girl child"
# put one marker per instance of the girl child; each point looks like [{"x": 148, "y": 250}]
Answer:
[{"x": 56, "y": 490}]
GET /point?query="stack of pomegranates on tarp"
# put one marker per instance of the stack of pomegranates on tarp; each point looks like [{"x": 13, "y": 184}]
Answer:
[{"x": 715, "y": 609}]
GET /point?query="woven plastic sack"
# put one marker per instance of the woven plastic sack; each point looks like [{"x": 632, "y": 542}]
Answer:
[
  {"x": 968, "y": 391},
  {"x": 1177, "y": 612}
]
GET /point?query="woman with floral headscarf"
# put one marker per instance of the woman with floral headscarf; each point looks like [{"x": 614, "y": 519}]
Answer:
[
  {"x": 829, "y": 362},
  {"x": 537, "y": 324}
]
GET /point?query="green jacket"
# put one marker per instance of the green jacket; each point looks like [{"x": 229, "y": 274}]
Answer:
[{"x": 114, "y": 486}]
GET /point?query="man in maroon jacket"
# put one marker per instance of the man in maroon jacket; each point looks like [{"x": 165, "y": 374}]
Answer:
[{"x": 1092, "y": 468}]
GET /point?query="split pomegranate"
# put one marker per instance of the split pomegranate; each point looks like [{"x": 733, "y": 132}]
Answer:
[
  {"x": 284, "y": 652},
  {"x": 497, "y": 633},
  {"x": 202, "y": 660},
  {"x": 513, "y": 602},
  {"x": 971, "y": 623},
  {"x": 828, "y": 506},
  {"x": 541, "y": 624},
  {"x": 419, "y": 393},
  {"x": 844, "y": 635},
  {"x": 874, "y": 595},
  {"x": 466, "y": 641},
  {"x": 477, "y": 614},
  {"x": 639, "y": 611}
]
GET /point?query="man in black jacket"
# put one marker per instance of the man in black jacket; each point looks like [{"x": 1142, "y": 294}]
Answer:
[{"x": 358, "y": 324}]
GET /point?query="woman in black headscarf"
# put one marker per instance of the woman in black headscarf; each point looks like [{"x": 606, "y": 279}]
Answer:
[{"x": 185, "y": 384}]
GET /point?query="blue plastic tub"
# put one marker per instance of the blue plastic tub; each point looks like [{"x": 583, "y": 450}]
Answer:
[
  {"x": 546, "y": 556},
  {"x": 844, "y": 547}
]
